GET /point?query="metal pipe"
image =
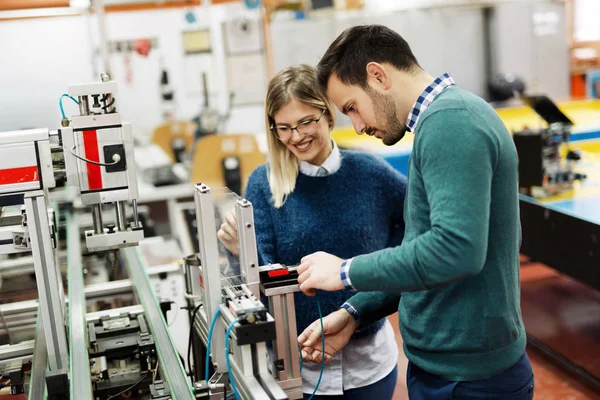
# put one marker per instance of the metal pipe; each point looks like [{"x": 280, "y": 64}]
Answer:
[
  {"x": 84, "y": 107},
  {"x": 136, "y": 217},
  {"x": 190, "y": 262},
  {"x": 100, "y": 13},
  {"x": 121, "y": 216},
  {"x": 97, "y": 218}
]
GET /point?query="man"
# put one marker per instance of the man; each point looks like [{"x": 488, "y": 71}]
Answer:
[{"x": 455, "y": 278}]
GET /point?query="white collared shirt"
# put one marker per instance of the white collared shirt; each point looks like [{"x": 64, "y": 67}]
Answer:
[
  {"x": 329, "y": 166},
  {"x": 363, "y": 361}
]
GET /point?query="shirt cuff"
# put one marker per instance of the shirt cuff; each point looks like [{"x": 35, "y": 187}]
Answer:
[
  {"x": 345, "y": 275},
  {"x": 348, "y": 307}
]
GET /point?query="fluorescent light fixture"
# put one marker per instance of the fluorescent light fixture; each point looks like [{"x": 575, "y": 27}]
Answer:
[{"x": 39, "y": 12}]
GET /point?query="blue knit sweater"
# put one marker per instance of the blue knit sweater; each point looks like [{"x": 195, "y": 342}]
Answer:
[{"x": 356, "y": 210}]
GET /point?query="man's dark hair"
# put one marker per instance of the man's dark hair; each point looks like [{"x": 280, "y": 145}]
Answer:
[{"x": 347, "y": 57}]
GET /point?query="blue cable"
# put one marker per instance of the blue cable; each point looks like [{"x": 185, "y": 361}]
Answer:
[
  {"x": 322, "y": 348},
  {"x": 62, "y": 110},
  {"x": 210, "y": 333},
  {"x": 228, "y": 333},
  {"x": 229, "y": 328}
]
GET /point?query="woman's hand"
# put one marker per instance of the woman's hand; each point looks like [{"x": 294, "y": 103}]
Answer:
[{"x": 228, "y": 234}]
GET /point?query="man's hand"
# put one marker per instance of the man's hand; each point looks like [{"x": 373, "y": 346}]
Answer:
[
  {"x": 228, "y": 234},
  {"x": 339, "y": 327},
  {"x": 320, "y": 271}
]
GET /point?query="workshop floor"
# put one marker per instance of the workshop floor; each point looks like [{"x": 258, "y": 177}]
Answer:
[{"x": 564, "y": 315}]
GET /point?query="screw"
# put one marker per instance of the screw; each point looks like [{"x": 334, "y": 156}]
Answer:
[
  {"x": 248, "y": 225},
  {"x": 252, "y": 265}
]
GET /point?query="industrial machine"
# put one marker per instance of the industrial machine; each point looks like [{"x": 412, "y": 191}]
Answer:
[
  {"x": 543, "y": 169},
  {"x": 225, "y": 293},
  {"x": 110, "y": 339},
  {"x": 96, "y": 150}
]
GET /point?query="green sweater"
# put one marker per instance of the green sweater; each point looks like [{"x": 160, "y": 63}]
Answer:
[{"x": 458, "y": 268}]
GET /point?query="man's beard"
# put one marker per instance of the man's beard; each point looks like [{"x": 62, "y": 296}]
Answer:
[{"x": 392, "y": 130}]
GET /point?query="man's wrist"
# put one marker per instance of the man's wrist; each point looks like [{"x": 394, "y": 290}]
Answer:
[
  {"x": 345, "y": 275},
  {"x": 351, "y": 311}
]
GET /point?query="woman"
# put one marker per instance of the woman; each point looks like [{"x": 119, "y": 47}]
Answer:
[{"x": 313, "y": 197}]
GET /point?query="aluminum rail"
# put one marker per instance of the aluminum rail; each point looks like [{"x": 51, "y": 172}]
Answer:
[
  {"x": 170, "y": 363},
  {"x": 80, "y": 382},
  {"x": 19, "y": 316},
  {"x": 37, "y": 383}
]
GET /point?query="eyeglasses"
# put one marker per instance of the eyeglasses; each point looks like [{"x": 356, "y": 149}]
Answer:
[{"x": 306, "y": 127}]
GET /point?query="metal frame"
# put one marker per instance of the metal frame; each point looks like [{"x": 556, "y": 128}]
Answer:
[
  {"x": 48, "y": 280},
  {"x": 249, "y": 364},
  {"x": 9, "y": 352},
  {"x": 37, "y": 383},
  {"x": 169, "y": 358},
  {"x": 247, "y": 246},
  {"x": 210, "y": 273},
  {"x": 22, "y": 315},
  {"x": 81, "y": 386},
  {"x": 282, "y": 307},
  {"x": 251, "y": 384}
]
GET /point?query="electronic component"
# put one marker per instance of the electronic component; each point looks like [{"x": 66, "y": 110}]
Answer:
[
  {"x": 543, "y": 171},
  {"x": 122, "y": 354},
  {"x": 99, "y": 160}
]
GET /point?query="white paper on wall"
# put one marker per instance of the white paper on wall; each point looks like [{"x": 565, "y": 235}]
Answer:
[
  {"x": 242, "y": 35},
  {"x": 195, "y": 65},
  {"x": 247, "y": 78}
]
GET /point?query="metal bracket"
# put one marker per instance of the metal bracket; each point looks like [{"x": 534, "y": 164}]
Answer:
[{"x": 21, "y": 239}]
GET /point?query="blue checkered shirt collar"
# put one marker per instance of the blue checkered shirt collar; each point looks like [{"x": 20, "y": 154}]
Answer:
[{"x": 426, "y": 98}]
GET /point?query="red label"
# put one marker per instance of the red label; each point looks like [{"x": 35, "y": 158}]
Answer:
[
  {"x": 90, "y": 144},
  {"x": 279, "y": 272},
  {"x": 19, "y": 175}
]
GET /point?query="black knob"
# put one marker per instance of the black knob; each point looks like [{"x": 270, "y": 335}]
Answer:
[
  {"x": 573, "y": 155},
  {"x": 111, "y": 228}
]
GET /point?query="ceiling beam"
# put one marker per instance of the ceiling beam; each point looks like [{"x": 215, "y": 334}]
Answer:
[{"x": 6, "y": 5}]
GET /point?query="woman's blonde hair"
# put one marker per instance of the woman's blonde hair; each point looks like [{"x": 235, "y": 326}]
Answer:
[{"x": 294, "y": 83}]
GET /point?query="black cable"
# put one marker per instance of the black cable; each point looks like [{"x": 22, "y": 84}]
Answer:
[
  {"x": 189, "y": 359},
  {"x": 129, "y": 388},
  {"x": 107, "y": 106}
]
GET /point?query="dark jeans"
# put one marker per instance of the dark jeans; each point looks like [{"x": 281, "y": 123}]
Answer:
[
  {"x": 516, "y": 383},
  {"x": 380, "y": 390}
]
